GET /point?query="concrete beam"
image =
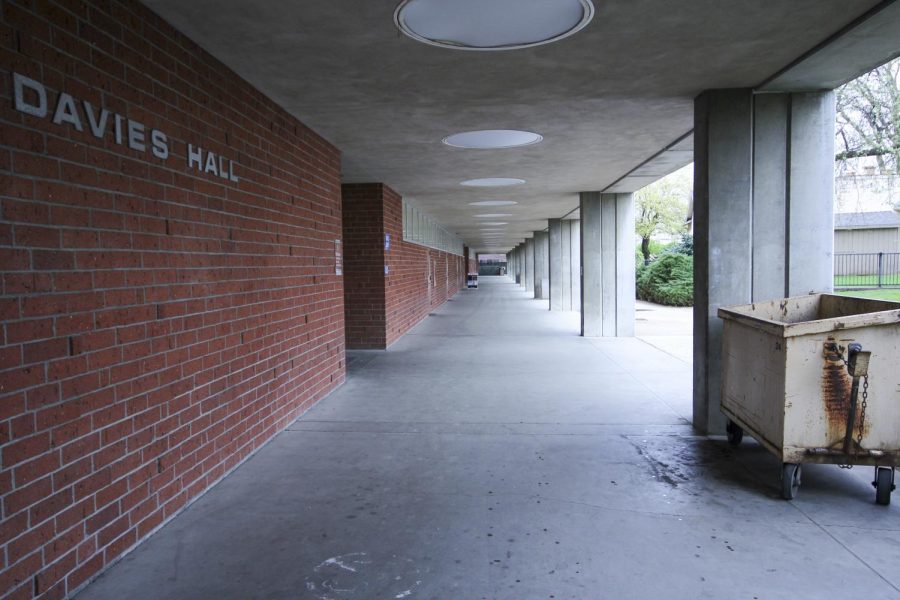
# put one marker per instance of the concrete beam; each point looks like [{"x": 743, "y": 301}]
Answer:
[{"x": 859, "y": 47}]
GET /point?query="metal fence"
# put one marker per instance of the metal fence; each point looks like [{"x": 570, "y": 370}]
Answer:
[{"x": 867, "y": 270}]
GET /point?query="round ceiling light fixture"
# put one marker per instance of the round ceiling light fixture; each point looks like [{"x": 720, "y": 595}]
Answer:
[
  {"x": 486, "y": 139},
  {"x": 491, "y": 24},
  {"x": 492, "y": 215},
  {"x": 492, "y": 182},
  {"x": 496, "y": 223},
  {"x": 493, "y": 203}
]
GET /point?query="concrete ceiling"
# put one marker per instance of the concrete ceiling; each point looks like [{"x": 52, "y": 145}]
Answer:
[{"x": 607, "y": 100}]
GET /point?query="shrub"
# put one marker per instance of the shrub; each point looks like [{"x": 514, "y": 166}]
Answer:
[
  {"x": 685, "y": 246},
  {"x": 668, "y": 280}
]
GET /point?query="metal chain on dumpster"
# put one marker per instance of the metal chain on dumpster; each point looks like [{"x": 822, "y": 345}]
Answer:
[
  {"x": 863, "y": 405},
  {"x": 862, "y": 411},
  {"x": 840, "y": 350}
]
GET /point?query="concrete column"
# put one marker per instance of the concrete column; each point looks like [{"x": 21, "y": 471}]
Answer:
[
  {"x": 770, "y": 166},
  {"x": 762, "y": 214},
  {"x": 607, "y": 261},
  {"x": 541, "y": 266},
  {"x": 575, "y": 258},
  {"x": 723, "y": 158},
  {"x": 810, "y": 206},
  {"x": 565, "y": 259},
  {"x": 556, "y": 264},
  {"x": 514, "y": 270},
  {"x": 545, "y": 257},
  {"x": 529, "y": 265},
  {"x": 522, "y": 265}
]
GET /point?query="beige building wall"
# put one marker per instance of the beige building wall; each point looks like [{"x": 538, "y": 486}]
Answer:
[{"x": 867, "y": 240}]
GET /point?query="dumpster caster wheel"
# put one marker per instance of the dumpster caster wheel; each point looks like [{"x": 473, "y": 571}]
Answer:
[
  {"x": 735, "y": 433},
  {"x": 790, "y": 480},
  {"x": 884, "y": 485}
]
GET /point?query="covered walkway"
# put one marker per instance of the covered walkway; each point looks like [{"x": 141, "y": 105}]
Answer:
[{"x": 494, "y": 453}]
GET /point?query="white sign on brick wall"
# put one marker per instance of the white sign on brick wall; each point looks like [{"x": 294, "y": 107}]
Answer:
[{"x": 31, "y": 97}]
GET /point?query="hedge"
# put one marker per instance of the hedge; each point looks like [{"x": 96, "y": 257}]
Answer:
[{"x": 667, "y": 280}]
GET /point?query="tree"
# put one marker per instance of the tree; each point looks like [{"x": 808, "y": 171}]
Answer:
[
  {"x": 661, "y": 207},
  {"x": 868, "y": 118}
]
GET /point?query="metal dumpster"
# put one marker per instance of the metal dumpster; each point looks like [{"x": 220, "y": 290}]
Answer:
[{"x": 816, "y": 379}]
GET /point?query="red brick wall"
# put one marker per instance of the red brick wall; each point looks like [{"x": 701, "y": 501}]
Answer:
[
  {"x": 419, "y": 279},
  {"x": 158, "y": 324},
  {"x": 363, "y": 225}
]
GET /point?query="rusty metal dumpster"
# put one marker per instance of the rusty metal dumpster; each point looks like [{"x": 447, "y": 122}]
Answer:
[{"x": 816, "y": 379}]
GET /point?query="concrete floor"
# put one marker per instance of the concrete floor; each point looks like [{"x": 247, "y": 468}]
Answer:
[{"x": 492, "y": 453}]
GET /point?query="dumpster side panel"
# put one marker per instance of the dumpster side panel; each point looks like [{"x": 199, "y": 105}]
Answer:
[
  {"x": 882, "y": 427},
  {"x": 818, "y": 390},
  {"x": 787, "y": 310},
  {"x": 753, "y": 387},
  {"x": 834, "y": 307}
]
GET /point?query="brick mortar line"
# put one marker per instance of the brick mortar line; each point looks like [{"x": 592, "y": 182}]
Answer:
[{"x": 229, "y": 189}]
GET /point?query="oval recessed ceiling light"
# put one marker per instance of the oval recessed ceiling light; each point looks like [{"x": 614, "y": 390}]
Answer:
[
  {"x": 496, "y": 223},
  {"x": 492, "y": 138},
  {"x": 492, "y": 215},
  {"x": 491, "y": 24},
  {"x": 492, "y": 182},
  {"x": 493, "y": 203}
]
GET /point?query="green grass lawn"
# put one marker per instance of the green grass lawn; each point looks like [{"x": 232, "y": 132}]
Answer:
[
  {"x": 883, "y": 294},
  {"x": 864, "y": 280}
]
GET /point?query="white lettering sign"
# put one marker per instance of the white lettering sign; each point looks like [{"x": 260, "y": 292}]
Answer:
[
  {"x": 30, "y": 107},
  {"x": 30, "y": 97}
]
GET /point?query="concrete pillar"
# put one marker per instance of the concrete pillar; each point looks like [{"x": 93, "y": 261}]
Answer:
[
  {"x": 529, "y": 265},
  {"x": 575, "y": 258},
  {"x": 556, "y": 264},
  {"x": 521, "y": 262},
  {"x": 541, "y": 266},
  {"x": 607, "y": 261},
  {"x": 565, "y": 265},
  {"x": 545, "y": 257},
  {"x": 762, "y": 214},
  {"x": 793, "y": 222},
  {"x": 723, "y": 158}
]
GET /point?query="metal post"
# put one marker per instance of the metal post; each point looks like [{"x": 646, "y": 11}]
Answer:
[{"x": 880, "y": 267}]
